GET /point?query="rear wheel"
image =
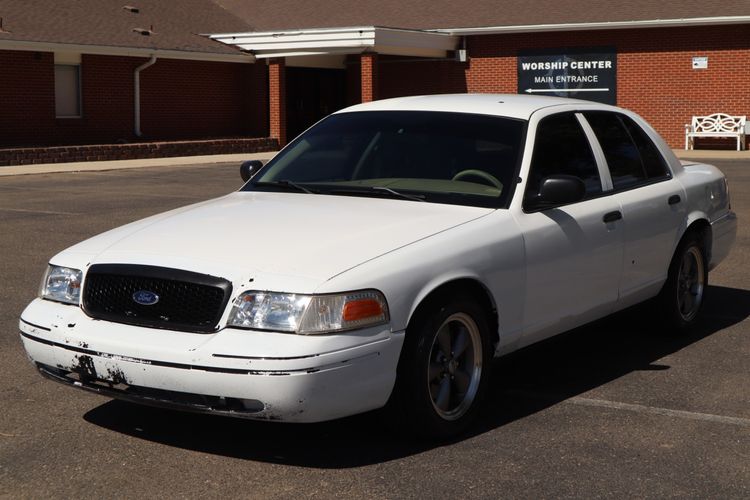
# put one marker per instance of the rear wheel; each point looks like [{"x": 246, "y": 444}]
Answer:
[
  {"x": 682, "y": 297},
  {"x": 443, "y": 369}
]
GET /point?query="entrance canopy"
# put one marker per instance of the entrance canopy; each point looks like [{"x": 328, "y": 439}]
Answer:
[
  {"x": 308, "y": 76},
  {"x": 331, "y": 41}
]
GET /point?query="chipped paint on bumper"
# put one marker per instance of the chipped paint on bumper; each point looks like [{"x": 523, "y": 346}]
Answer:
[{"x": 294, "y": 378}]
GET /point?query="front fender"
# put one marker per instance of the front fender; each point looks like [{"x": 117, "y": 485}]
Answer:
[{"x": 489, "y": 251}]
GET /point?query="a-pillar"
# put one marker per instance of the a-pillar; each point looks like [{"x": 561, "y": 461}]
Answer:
[
  {"x": 369, "y": 76},
  {"x": 277, "y": 99}
]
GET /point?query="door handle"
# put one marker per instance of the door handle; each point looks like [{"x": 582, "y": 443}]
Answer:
[
  {"x": 674, "y": 199},
  {"x": 612, "y": 216}
]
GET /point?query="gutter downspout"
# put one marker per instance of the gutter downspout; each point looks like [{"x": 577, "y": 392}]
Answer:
[{"x": 137, "y": 100}]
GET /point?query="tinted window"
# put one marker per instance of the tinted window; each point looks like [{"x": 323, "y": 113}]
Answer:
[
  {"x": 561, "y": 147},
  {"x": 653, "y": 161},
  {"x": 621, "y": 153},
  {"x": 440, "y": 157}
]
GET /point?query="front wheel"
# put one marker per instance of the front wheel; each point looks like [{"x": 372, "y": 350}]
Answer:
[
  {"x": 682, "y": 297},
  {"x": 443, "y": 369}
]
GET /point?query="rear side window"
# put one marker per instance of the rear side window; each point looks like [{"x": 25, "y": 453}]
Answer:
[
  {"x": 653, "y": 161},
  {"x": 631, "y": 156},
  {"x": 621, "y": 153},
  {"x": 561, "y": 147}
]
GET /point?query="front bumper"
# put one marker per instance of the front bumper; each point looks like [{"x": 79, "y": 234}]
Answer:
[{"x": 249, "y": 374}]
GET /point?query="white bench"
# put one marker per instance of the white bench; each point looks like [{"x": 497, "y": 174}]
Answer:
[{"x": 716, "y": 125}]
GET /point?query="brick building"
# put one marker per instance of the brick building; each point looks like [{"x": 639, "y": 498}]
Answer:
[{"x": 100, "y": 71}]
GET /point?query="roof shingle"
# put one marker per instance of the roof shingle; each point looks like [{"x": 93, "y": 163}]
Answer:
[
  {"x": 436, "y": 14},
  {"x": 177, "y": 24}
]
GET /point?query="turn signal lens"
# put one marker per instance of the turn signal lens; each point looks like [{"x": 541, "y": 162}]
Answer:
[
  {"x": 348, "y": 311},
  {"x": 362, "y": 309}
]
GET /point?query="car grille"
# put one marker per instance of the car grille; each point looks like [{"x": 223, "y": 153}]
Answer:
[{"x": 186, "y": 301}]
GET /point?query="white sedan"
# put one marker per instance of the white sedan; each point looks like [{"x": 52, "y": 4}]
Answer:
[{"x": 382, "y": 259}]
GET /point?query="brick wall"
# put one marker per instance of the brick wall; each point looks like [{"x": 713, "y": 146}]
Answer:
[
  {"x": 189, "y": 99},
  {"x": 369, "y": 77},
  {"x": 402, "y": 76},
  {"x": 277, "y": 100},
  {"x": 179, "y": 100},
  {"x": 61, "y": 154},
  {"x": 27, "y": 97},
  {"x": 654, "y": 75}
]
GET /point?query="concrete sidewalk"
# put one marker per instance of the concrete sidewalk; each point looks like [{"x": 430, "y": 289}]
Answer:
[
  {"x": 712, "y": 154},
  {"x": 93, "y": 166}
]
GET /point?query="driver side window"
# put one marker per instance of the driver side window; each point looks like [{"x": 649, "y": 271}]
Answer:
[{"x": 561, "y": 148}]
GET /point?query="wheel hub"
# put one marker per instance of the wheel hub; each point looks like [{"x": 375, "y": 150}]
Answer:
[
  {"x": 452, "y": 366},
  {"x": 690, "y": 283},
  {"x": 455, "y": 366}
]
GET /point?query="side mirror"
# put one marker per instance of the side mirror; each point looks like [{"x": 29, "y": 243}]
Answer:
[
  {"x": 249, "y": 168},
  {"x": 559, "y": 190}
]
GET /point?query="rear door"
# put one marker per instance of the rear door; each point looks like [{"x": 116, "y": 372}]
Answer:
[{"x": 652, "y": 202}]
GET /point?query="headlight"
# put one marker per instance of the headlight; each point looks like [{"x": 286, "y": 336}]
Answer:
[
  {"x": 308, "y": 314},
  {"x": 61, "y": 284}
]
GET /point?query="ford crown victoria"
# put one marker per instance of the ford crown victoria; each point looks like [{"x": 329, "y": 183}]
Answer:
[{"x": 382, "y": 259}]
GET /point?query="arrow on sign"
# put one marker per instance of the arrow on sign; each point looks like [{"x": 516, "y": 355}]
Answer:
[{"x": 532, "y": 91}]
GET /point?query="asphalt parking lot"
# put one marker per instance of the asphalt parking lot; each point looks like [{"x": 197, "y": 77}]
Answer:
[{"x": 610, "y": 410}]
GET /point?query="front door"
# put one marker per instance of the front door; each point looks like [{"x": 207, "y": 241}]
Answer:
[
  {"x": 312, "y": 93},
  {"x": 573, "y": 252}
]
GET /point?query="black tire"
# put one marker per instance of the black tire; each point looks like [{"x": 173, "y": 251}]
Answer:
[
  {"x": 439, "y": 393},
  {"x": 682, "y": 297}
]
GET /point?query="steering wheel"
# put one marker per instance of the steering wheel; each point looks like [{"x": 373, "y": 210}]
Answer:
[{"x": 481, "y": 174}]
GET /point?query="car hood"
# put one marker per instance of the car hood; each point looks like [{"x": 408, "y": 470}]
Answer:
[{"x": 244, "y": 234}]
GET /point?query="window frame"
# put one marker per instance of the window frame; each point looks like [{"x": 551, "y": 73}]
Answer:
[
  {"x": 596, "y": 153},
  {"x": 597, "y": 145},
  {"x": 665, "y": 164}
]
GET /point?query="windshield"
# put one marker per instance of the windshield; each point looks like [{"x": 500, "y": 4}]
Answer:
[{"x": 439, "y": 157}]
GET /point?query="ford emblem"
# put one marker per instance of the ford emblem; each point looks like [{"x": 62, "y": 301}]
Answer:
[{"x": 145, "y": 298}]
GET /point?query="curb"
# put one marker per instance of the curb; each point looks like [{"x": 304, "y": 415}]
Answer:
[{"x": 100, "y": 166}]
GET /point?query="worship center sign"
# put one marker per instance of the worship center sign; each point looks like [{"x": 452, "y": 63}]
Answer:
[{"x": 589, "y": 74}]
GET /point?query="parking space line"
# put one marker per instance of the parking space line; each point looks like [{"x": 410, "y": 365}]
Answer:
[
  {"x": 654, "y": 410},
  {"x": 36, "y": 211}
]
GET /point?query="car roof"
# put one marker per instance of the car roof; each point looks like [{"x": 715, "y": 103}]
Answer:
[{"x": 508, "y": 105}]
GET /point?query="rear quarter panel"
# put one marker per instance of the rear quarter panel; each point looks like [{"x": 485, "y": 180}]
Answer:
[{"x": 708, "y": 198}]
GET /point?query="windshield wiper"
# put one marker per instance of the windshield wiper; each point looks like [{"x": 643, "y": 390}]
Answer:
[
  {"x": 412, "y": 197},
  {"x": 287, "y": 184},
  {"x": 378, "y": 190}
]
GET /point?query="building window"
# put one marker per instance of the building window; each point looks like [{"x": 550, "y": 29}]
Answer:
[{"x": 68, "y": 90}]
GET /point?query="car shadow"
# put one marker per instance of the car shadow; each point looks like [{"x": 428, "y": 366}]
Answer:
[{"x": 524, "y": 383}]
